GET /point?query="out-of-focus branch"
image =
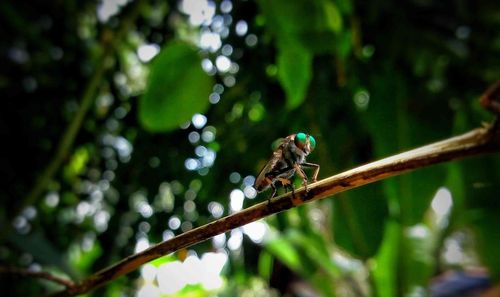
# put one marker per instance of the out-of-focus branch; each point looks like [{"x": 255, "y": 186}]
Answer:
[
  {"x": 490, "y": 100},
  {"x": 37, "y": 274},
  {"x": 476, "y": 142},
  {"x": 109, "y": 41}
]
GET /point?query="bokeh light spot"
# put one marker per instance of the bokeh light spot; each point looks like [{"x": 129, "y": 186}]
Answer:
[
  {"x": 236, "y": 200},
  {"x": 146, "y": 52},
  {"x": 241, "y": 28}
]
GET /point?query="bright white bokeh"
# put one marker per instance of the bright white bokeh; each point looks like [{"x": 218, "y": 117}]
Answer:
[
  {"x": 216, "y": 209},
  {"x": 209, "y": 158},
  {"x": 453, "y": 252},
  {"x": 249, "y": 180},
  {"x": 174, "y": 223},
  {"x": 223, "y": 63},
  {"x": 207, "y": 65},
  {"x": 146, "y": 52},
  {"x": 418, "y": 231},
  {"x": 199, "y": 11},
  {"x": 192, "y": 164},
  {"x": 192, "y": 267},
  {"x": 442, "y": 202},
  {"x": 212, "y": 265},
  {"x": 236, "y": 200},
  {"x": 199, "y": 120},
  {"x": 171, "y": 277},
  {"x": 52, "y": 199},
  {"x": 226, "y": 6},
  {"x": 148, "y": 272},
  {"x": 346, "y": 263},
  {"x": 141, "y": 244},
  {"x": 174, "y": 276},
  {"x": 241, "y": 28},
  {"x": 235, "y": 240},
  {"x": 219, "y": 241},
  {"x": 250, "y": 192},
  {"x": 256, "y": 231},
  {"x": 210, "y": 41},
  {"x": 148, "y": 290},
  {"x": 108, "y": 8}
]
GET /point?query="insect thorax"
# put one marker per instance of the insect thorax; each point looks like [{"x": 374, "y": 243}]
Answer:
[{"x": 293, "y": 154}]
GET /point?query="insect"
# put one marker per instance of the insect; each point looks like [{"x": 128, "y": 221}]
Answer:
[{"x": 289, "y": 158}]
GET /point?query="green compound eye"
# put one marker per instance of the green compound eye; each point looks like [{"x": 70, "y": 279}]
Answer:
[
  {"x": 312, "y": 141},
  {"x": 301, "y": 138}
]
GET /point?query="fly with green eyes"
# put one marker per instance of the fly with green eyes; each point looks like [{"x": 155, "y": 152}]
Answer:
[{"x": 289, "y": 158}]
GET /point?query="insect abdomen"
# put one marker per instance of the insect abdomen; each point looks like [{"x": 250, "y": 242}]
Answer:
[{"x": 263, "y": 184}]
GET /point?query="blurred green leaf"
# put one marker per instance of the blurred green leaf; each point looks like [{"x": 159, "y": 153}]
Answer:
[
  {"x": 319, "y": 22},
  {"x": 481, "y": 184},
  {"x": 285, "y": 252},
  {"x": 395, "y": 129},
  {"x": 77, "y": 163},
  {"x": 177, "y": 88},
  {"x": 333, "y": 19},
  {"x": 294, "y": 73},
  {"x": 385, "y": 267},
  {"x": 312, "y": 254},
  {"x": 473, "y": 184},
  {"x": 265, "y": 265},
  {"x": 163, "y": 260},
  {"x": 42, "y": 250},
  {"x": 315, "y": 248},
  {"x": 486, "y": 227},
  {"x": 83, "y": 260},
  {"x": 417, "y": 257},
  {"x": 358, "y": 220},
  {"x": 365, "y": 89}
]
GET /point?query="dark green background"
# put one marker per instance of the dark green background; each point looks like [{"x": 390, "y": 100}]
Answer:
[{"x": 420, "y": 64}]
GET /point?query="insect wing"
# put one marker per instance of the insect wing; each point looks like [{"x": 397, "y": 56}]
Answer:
[{"x": 261, "y": 182}]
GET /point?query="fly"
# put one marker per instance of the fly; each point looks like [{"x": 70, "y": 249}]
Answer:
[{"x": 289, "y": 158}]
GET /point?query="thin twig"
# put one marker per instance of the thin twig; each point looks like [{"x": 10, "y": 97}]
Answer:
[
  {"x": 491, "y": 98},
  {"x": 37, "y": 274},
  {"x": 476, "y": 142}
]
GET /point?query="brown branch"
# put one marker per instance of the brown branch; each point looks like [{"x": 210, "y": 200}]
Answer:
[
  {"x": 476, "y": 142},
  {"x": 37, "y": 274},
  {"x": 491, "y": 98}
]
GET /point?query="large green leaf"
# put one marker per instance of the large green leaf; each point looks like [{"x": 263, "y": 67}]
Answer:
[
  {"x": 308, "y": 255},
  {"x": 358, "y": 220},
  {"x": 473, "y": 184},
  {"x": 315, "y": 248},
  {"x": 177, "y": 88},
  {"x": 486, "y": 227},
  {"x": 311, "y": 24},
  {"x": 294, "y": 73},
  {"x": 481, "y": 178},
  {"x": 398, "y": 121}
]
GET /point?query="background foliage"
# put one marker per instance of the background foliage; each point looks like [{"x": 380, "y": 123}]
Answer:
[{"x": 184, "y": 102}]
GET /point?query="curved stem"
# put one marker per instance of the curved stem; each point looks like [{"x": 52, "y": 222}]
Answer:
[{"x": 37, "y": 274}]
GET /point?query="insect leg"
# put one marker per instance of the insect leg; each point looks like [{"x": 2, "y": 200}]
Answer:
[
  {"x": 302, "y": 175},
  {"x": 272, "y": 194},
  {"x": 291, "y": 189},
  {"x": 287, "y": 184},
  {"x": 316, "y": 170}
]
